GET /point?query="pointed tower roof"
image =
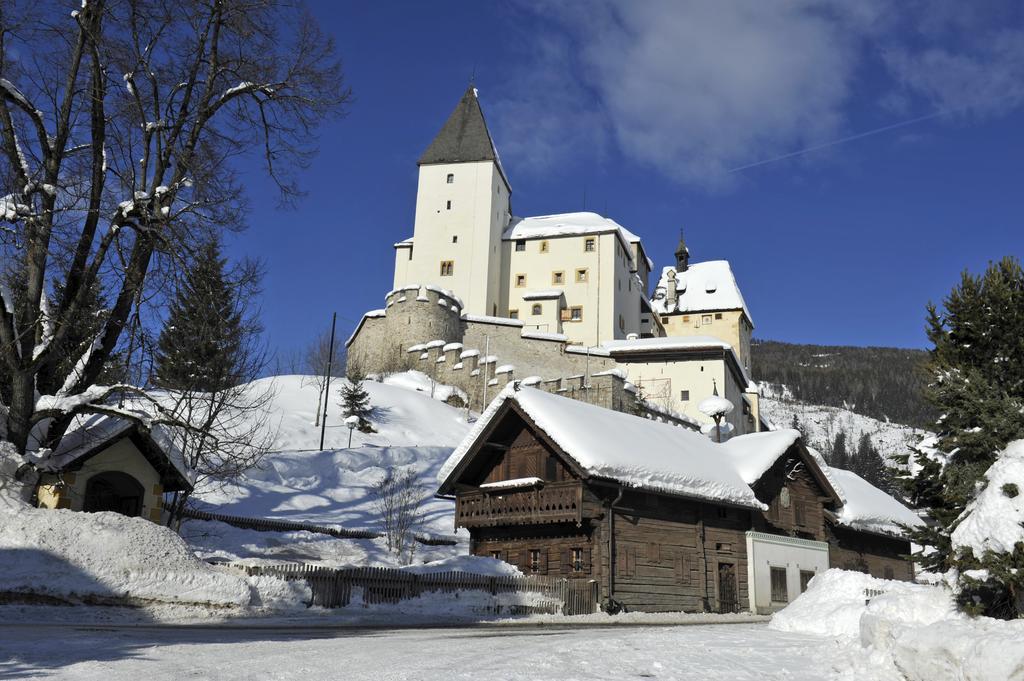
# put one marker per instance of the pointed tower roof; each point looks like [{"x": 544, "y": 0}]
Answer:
[
  {"x": 464, "y": 137},
  {"x": 682, "y": 254}
]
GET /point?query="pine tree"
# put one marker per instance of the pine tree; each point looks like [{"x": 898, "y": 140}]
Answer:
[
  {"x": 869, "y": 464},
  {"x": 977, "y": 383},
  {"x": 203, "y": 334},
  {"x": 355, "y": 401},
  {"x": 840, "y": 458}
]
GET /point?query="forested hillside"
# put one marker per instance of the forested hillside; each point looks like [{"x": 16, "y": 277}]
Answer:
[{"x": 884, "y": 383}]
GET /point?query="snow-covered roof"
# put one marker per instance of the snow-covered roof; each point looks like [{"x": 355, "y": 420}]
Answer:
[
  {"x": 569, "y": 224},
  {"x": 404, "y": 243},
  {"x": 704, "y": 286},
  {"x": 867, "y": 508},
  {"x": 543, "y": 294},
  {"x": 752, "y": 455},
  {"x": 994, "y": 521},
  {"x": 604, "y": 444},
  {"x": 665, "y": 343},
  {"x": 90, "y": 432},
  {"x": 487, "y": 319}
]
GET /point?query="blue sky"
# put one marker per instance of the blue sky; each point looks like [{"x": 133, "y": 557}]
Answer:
[{"x": 646, "y": 109}]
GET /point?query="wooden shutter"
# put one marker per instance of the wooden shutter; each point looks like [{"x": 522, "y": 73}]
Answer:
[
  {"x": 566, "y": 566},
  {"x": 543, "y": 561},
  {"x": 587, "y": 567}
]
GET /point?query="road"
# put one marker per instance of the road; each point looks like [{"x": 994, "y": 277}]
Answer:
[{"x": 742, "y": 652}]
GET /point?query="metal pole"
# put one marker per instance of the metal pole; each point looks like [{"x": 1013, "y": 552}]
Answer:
[
  {"x": 327, "y": 388},
  {"x": 487, "y": 353},
  {"x": 349, "y": 438}
]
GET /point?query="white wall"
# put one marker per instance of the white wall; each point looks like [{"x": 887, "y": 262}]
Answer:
[
  {"x": 467, "y": 233},
  {"x": 765, "y": 551}
]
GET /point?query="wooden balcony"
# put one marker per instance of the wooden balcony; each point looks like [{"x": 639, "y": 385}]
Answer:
[{"x": 557, "y": 502}]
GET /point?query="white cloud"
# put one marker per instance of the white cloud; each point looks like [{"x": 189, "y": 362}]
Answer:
[{"x": 693, "y": 88}]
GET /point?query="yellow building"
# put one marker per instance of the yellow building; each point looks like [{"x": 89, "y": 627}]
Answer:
[{"x": 109, "y": 464}]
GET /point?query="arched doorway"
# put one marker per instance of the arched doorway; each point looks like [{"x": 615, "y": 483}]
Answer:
[{"x": 113, "y": 491}]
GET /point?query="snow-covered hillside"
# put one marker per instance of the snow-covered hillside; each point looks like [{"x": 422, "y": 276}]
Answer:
[
  {"x": 335, "y": 487},
  {"x": 820, "y": 425}
]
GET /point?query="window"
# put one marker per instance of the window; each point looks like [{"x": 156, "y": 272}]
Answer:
[
  {"x": 581, "y": 275},
  {"x": 451, "y": 178},
  {"x": 588, "y": 245},
  {"x": 513, "y": 314},
  {"x": 455, "y": 239},
  {"x": 684, "y": 395},
  {"x": 577, "y": 560},
  {"x": 664, "y": 320},
  {"x": 723, "y": 512},
  {"x": 780, "y": 591},
  {"x": 447, "y": 268},
  {"x": 686, "y": 319},
  {"x": 536, "y": 309},
  {"x": 558, "y": 277},
  {"x": 534, "y": 564},
  {"x": 521, "y": 245},
  {"x": 798, "y": 514},
  {"x": 805, "y": 578},
  {"x": 718, "y": 315},
  {"x": 496, "y": 555},
  {"x": 448, "y": 205},
  {"x": 543, "y": 246},
  {"x": 551, "y": 468},
  {"x": 888, "y": 572},
  {"x": 706, "y": 319},
  {"x": 576, "y": 314},
  {"x": 520, "y": 280}
]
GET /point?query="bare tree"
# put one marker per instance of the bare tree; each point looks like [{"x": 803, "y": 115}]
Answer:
[
  {"x": 398, "y": 501},
  {"x": 120, "y": 123},
  {"x": 316, "y": 361}
]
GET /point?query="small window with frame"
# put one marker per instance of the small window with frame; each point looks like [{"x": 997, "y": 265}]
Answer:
[
  {"x": 448, "y": 205},
  {"x": 558, "y": 278},
  {"x": 543, "y": 246},
  {"x": 684, "y": 395},
  {"x": 589, "y": 244},
  {"x": 577, "y": 560},
  {"x": 534, "y": 560},
  {"x": 718, "y": 315},
  {"x": 581, "y": 275},
  {"x": 520, "y": 280},
  {"x": 520, "y": 244},
  {"x": 576, "y": 313},
  {"x": 496, "y": 555},
  {"x": 780, "y": 589},
  {"x": 513, "y": 314},
  {"x": 537, "y": 309},
  {"x": 450, "y": 179},
  {"x": 447, "y": 268}
]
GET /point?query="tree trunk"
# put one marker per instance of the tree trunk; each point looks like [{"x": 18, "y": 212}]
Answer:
[{"x": 21, "y": 408}]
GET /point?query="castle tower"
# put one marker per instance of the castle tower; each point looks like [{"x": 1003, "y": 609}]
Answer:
[{"x": 462, "y": 208}]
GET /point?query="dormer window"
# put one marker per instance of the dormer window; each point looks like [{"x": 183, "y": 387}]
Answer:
[{"x": 451, "y": 178}]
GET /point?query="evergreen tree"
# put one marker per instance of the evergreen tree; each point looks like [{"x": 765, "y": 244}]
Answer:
[
  {"x": 795, "y": 423},
  {"x": 869, "y": 464},
  {"x": 840, "y": 458},
  {"x": 977, "y": 383},
  {"x": 355, "y": 401},
  {"x": 203, "y": 334}
]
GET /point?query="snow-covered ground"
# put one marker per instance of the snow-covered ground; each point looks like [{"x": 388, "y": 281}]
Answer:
[
  {"x": 708, "y": 653},
  {"x": 820, "y": 425},
  {"x": 335, "y": 487}
]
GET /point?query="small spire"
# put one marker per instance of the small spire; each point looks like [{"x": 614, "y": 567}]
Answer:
[
  {"x": 682, "y": 254},
  {"x": 714, "y": 387}
]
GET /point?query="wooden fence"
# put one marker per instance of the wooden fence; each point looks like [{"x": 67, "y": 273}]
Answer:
[
  {"x": 271, "y": 525},
  {"x": 333, "y": 588}
]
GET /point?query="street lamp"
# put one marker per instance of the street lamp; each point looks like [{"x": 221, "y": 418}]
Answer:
[{"x": 351, "y": 422}]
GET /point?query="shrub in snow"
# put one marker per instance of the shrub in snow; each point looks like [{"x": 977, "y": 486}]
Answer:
[
  {"x": 355, "y": 401},
  {"x": 976, "y": 369}
]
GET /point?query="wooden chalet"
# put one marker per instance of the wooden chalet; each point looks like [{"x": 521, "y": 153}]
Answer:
[{"x": 661, "y": 517}]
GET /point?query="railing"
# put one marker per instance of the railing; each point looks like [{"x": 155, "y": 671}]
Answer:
[
  {"x": 554, "y": 503},
  {"x": 870, "y": 593},
  {"x": 337, "y": 588}
]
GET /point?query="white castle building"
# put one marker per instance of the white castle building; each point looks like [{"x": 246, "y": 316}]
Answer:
[{"x": 556, "y": 298}]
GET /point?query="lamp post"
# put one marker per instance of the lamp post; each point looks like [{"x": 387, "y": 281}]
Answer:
[{"x": 351, "y": 422}]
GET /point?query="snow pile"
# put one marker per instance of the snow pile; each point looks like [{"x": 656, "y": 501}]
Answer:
[
  {"x": 910, "y": 629},
  {"x": 994, "y": 520},
  {"x": 107, "y": 557},
  {"x": 14, "y": 493},
  {"x": 603, "y": 443},
  {"x": 477, "y": 565},
  {"x": 753, "y": 454},
  {"x": 834, "y": 604}
]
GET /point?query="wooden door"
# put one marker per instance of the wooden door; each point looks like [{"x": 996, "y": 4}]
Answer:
[{"x": 728, "y": 592}]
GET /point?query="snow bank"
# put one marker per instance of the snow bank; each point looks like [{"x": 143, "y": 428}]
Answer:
[
  {"x": 477, "y": 565},
  {"x": 14, "y": 493},
  {"x": 911, "y": 629},
  {"x": 74, "y": 555},
  {"x": 994, "y": 521}
]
